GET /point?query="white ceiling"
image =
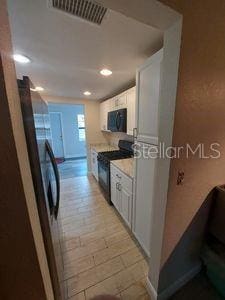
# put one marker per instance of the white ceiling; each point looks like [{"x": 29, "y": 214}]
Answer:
[{"x": 67, "y": 53}]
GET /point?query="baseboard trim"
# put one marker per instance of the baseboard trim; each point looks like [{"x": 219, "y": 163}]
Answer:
[
  {"x": 172, "y": 289},
  {"x": 75, "y": 157},
  {"x": 151, "y": 290},
  {"x": 146, "y": 252}
]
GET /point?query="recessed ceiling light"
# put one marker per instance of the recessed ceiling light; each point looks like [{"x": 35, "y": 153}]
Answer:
[
  {"x": 87, "y": 93},
  {"x": 21, "y": 58},
  {"x": 39, "y": 89},
  {"x": 106, "y": 72}
]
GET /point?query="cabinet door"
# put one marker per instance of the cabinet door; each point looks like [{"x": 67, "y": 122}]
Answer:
[
  {"x": 122, "y": 100},
  {"x": 115, "y": 194},
  {"x": 126, "y": 205},
  {"x": 148, "y": 85},
  {"x": 102, "y": 116},
  {"x": 104, "y": 109},
  {"x": 144, "y": 184},
  {"x": 131, "y": 104}
]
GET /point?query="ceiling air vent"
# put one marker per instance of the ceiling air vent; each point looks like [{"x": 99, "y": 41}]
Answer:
[{"x": 88, "y": 10}]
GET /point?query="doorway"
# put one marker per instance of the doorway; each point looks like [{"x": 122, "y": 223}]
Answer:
[
  {"x": 57, "y": 136},
  {"x": 69, "y": 138}
]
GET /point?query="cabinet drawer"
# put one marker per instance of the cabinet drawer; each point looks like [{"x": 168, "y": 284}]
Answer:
[{"x": 124, "y": 180}]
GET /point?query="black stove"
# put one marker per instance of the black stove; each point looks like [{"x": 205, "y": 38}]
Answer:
[
  {"x": 112, "y": 155},
  {"x": 104, "y": 158}
]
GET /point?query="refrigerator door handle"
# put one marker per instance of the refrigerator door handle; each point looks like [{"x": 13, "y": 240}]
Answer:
[{"x": 56, "y": 172}]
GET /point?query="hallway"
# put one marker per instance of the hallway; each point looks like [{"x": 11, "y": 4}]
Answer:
[
  {"x": 100, "y": 257},
  {"x": 73, "y": 168}
]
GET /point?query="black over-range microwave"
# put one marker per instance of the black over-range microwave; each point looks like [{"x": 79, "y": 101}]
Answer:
[{"x": 117, "y": 120}]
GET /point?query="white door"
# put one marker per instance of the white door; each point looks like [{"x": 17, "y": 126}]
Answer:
[
  {"x": 148, "y": 84},
  {"x": 144, "y": 187},
  {"x": 57, "y": 138}
]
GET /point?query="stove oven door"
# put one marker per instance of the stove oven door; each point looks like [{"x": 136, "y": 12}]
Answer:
[{"x": 104, "y": 177}]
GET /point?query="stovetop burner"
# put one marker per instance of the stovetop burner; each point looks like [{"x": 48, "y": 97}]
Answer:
[
  {"x": 125, "y": 151},
  {"x": 113, "y": 155}
]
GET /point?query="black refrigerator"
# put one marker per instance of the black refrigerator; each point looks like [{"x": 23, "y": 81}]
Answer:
[{"x": 45, "y": 178}]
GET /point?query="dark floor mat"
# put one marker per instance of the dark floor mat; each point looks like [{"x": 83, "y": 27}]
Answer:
[{"x": 198, "y": 288}]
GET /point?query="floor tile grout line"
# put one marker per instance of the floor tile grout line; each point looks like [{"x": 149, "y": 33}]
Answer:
[
  {"x": 125, "y": 267},
  {"x": 103, "y": 249},
  {"x": 88, "y": 214},
  {"x": 122, "y": 290},
  {"x": 107, "y": 245}
]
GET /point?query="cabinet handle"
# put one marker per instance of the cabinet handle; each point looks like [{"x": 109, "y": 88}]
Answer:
[
  {"x": 119, "y": 187},
  {"x": 118, "y": 176},
  {"x": 134, "y": 133}
]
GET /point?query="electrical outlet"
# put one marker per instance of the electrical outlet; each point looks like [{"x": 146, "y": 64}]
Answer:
[{"x": 180, "y": 177}]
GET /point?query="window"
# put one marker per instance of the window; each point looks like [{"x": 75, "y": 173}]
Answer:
[{"x": 81, "y": 127}]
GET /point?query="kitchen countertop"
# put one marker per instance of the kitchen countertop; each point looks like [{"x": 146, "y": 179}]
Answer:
[
  {"x": 126, "y": 165},
  {"x": 103, "y": 147}
]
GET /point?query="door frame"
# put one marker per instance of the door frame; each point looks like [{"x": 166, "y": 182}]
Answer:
[{"x": 62, "y": 131}]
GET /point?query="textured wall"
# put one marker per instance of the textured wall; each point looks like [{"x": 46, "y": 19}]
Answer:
[{"x": 199, "y": 117}]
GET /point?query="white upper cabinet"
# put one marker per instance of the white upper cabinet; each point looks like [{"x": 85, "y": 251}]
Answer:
[
  {"x": 119, "y": 101},
  {"x": 104, "y": 109},
  {"x": 148, "y": 83},
  {"x": 123, "y": 100},
  {"x": 131, "y": 104}
]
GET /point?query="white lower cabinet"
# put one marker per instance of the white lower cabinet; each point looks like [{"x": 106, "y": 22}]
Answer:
[
  {"x": 94, "y": 163},
  {"x": 115, "y": 197},
  {"x": 126, "y": 205},
  {"x": 121, "y": 194}
]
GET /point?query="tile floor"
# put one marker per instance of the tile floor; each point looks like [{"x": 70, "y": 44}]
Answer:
[
  {"x": 100, "y": 256},
  {"x": 73, "y": 168}
]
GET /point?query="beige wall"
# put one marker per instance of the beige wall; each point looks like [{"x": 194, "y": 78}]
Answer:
[
  {"x": 200, "y": 111},
  {"x": 199, "y": 115},
  {"x": 92, "y": 118}
]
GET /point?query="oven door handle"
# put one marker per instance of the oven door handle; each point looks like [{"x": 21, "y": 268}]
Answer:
[{"x": 57, "y": 178}]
